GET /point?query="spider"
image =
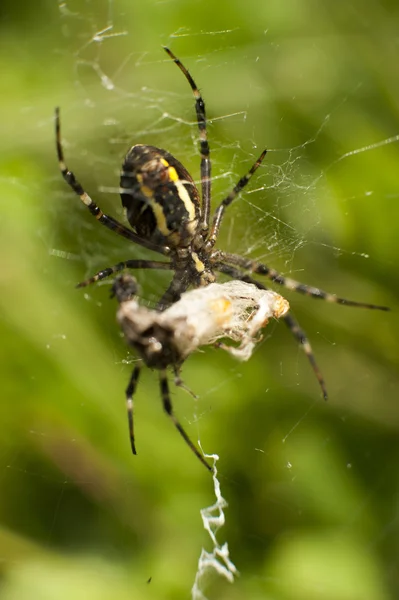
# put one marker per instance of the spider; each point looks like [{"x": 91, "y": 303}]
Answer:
[
  {"x": 234, "y": 311},
  {"x": 168, "y": 215}
]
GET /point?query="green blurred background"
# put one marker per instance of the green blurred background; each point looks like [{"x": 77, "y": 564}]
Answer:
[{"x": 312, "y": 487}]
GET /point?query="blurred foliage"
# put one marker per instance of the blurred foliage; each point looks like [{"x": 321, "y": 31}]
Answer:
[{"x": 312, "y": 487}]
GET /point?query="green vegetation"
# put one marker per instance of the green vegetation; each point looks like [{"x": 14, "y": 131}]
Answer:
[{"x": 312, "y": 487}]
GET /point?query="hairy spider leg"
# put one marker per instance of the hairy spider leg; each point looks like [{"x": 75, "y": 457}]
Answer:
[
  {"x": 130, "y": 390},
  {"x": 167, "y": 404},
  {"x": 204, "y": 145},
  {"x": 219, "y": 212},
  {"x": 94, "y": 209},
  {"x": 302, "y": 339},
  {"x": 127, "y": 264},
  {"x": 252, "y": 266},
  {"x": 289, "y": 320},
  {"x": 179, "y": 284}
]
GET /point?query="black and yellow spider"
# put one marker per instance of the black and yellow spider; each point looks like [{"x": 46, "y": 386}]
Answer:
[{"x": 168, "y": 215}]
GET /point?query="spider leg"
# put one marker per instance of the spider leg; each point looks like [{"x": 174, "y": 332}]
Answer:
[
  {"x": 94, "y": 209},
  {"x": 167, "y": 404},
  {"x": 204, "y": 145},
  {"x": 180, "y": 383},
  {"x": 260, "y": 269},
  {"x": 130, "y": 390},
  {"x": 219, "y": 212},
  {"x": 127, "y": 264},
  {"x": 300, "y": 336},
  {"x": 177, "y": 286},
  {"x": 289, "y": 320}
]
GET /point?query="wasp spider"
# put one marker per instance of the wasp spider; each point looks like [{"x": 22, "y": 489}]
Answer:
[{"x": 169, "y": 215}]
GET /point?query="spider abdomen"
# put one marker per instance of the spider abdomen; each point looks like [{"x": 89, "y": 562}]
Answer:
[{"x": 160, "y": 197}]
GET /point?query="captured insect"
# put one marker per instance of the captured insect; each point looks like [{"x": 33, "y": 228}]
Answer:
[
  {"x": 235, "y": 311},
  {"x": 168, "y": 215}
]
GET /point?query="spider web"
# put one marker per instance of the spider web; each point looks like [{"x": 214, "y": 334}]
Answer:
[{"x": 309, "y": 212}]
